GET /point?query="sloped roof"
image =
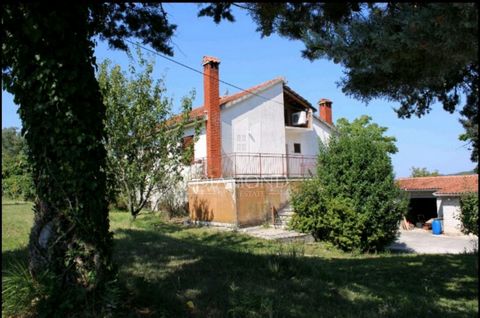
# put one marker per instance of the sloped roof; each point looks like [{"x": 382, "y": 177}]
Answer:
[
  {"x": 442, "y": 185},
  {"x": 255, "y": 89},
  {"x": 198, "y": 112},
  {"x": 298, "y": 97}
]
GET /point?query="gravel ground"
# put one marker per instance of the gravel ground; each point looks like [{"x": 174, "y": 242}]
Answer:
[
  {"x": 424, "y": 242},
  {"x": 413, "y": 241}
]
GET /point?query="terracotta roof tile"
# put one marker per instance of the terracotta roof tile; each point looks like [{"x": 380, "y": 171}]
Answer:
[
  {"x": 194, "y": 114},
  {"x": 443, "y": 185}
]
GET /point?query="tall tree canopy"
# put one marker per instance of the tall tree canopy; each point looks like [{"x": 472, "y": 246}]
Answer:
[
  {"x": 142, "y": 160},
  {"x": 415, "y": 54},
  {"x": 48, "y": 65}
]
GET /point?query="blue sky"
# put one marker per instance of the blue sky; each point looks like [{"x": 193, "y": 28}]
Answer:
[{"x": 247, "y": 60}]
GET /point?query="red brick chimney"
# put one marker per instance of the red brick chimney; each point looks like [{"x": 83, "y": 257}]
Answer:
[
  {"x": 326, "y": 110},
  {"x": 212, "y": 106}
]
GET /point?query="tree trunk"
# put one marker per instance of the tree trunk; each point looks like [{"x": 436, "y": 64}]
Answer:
[{"x": 53, "y": 80}]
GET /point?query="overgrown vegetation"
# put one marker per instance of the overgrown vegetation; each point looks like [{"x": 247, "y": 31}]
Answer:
[
  {"x": 353, "y": 201},
  {"x": 145, "y": 153},
  {"x": 168, "y": 270},
  {"x": 469, "y": 213},
  {"x": 17, "y": 180}
]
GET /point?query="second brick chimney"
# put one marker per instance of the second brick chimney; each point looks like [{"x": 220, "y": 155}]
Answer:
[
  {"x": 326, "y": 110},
  {"x": 212, "y": 107}
]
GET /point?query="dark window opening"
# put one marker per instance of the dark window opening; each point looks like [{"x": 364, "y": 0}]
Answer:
[
  {"x": 297, "y": 148},
  {"x": 189, "y": 152}
]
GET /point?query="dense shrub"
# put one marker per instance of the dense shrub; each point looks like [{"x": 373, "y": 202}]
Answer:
[
  {"x": 353, "y": 202},
  {"x": 469, "y": 213}
]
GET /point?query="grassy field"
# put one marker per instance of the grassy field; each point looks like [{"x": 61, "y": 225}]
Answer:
[{"x": 170, "y": 270}]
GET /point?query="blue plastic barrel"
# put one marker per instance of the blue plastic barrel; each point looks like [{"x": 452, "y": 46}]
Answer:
[{"x": 437, "y": 227}]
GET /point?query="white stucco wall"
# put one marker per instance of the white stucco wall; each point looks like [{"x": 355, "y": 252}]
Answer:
[
  {"x": 200, "y": 147},
  {"x": 308, "y": 138},
  {"x": 449, "y": 209},
  {"x": 260, "y": 120},
  {"x": 257, "y": 125},
  {"x": 321, "y": 130},
  {"x": 251, "y": 126}
]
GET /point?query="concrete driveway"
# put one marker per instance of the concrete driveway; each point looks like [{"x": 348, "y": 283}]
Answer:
[{"x": 424, "y": 242}]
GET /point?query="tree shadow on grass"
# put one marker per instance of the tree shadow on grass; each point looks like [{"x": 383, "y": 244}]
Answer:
[
  {"x": 11, "y": 257},
  {"x": 213, "y": 276}
]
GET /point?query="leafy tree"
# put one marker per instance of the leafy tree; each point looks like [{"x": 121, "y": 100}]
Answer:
[
  {"x": 469, "y": 213},
  {"x": 412, "y": 53},
  {"x": 144, "y": 152},
  {"x": 353, "y": 201},
  {"x": 423, "y": 172},
  {"x": 12, "y": 142},
  {"x": 48, "y": 65},
  {"x": 17, "y": 180}
]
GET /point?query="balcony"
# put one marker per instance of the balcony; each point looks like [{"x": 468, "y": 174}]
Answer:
[{"x": 260, "y": 165}]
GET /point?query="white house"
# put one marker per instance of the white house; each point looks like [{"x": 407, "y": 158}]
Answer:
[{"x": 267, "y": 132}]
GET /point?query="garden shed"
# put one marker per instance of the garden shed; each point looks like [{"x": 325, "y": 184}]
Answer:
[{"x": 438, "y": 197}]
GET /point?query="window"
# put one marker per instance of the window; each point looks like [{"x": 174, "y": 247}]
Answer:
[
  {"x": 297, "y": 148},
  {"x": 241, "y": 143},
  {"x": 190, "y": 157}
]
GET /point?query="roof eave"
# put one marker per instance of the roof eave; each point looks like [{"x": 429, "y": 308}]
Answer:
[
  {"x": 331, "y": 126},
  {"x": 449, "y": 194},
  {"x": 252, "y": 93},
  {"x": 298, "y": 97}
]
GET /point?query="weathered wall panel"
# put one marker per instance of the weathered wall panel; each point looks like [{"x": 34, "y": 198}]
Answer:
[
  {"x": 239, "y": 202},
  {"x": 212, "y": 202}
]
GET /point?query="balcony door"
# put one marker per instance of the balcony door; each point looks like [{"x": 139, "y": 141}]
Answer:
[{"x": 246, "y": 147}]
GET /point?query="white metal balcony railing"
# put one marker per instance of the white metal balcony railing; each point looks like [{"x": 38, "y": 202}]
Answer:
[{"x": 244, "y": 165}]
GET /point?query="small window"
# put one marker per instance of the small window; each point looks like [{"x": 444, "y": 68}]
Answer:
[
  {"x": 297, "y": 148},
  {"x": 241, "y": 143},
  {"x": 190, "y": 155}
]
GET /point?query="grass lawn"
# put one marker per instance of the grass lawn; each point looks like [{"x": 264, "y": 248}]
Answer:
[{"x": 173, "y": 271}]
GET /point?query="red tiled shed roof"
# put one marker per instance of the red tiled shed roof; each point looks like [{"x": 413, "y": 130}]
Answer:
[{"x": 442, "y": 185}]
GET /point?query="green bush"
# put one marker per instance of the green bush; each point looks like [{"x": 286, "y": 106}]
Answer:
[
  {"x": 353, "y": 202},
  {"x": 17, "y": 181},
  {"x": 18, "y": 187},
  {"x": 469, "y": 213}
]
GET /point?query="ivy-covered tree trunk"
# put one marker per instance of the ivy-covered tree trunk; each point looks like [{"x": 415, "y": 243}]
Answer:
[{"x": 51, "y": 74}]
